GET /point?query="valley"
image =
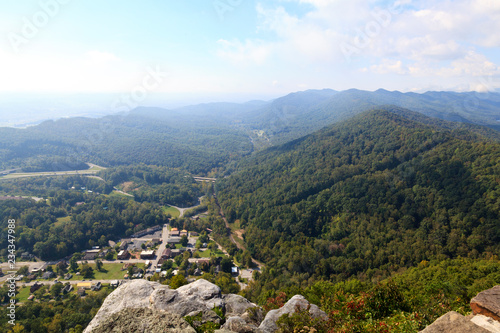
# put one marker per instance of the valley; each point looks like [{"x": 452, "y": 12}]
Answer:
[{"x": 341, "y": 197}]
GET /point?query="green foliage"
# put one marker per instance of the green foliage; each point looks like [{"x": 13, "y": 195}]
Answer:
[
  {"x": 365, "y": 198},
  {"x": 177, "y": 281}
]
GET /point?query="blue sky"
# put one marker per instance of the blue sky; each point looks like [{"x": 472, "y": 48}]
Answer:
[{"x": 245, "y": 49}]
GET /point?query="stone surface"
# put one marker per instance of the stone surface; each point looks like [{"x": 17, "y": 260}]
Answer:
[
  {"x": 143, "y": 320},
  {"x": 297, "y": 301},
  {"x": 238, "y": 325},
  {"x": 199, "y": 296},
  {"x": 487, "y": 303},
  {"x": 453, "y": 322},
  {"x": 236, "y": 305},
  {"x": 487, "y": 323},
  {"x": 134, "y": 294}
]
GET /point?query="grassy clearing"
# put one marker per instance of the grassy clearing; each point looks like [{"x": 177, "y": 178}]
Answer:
[
  {"x": 23, "y": 294},
  {"x": 174, "y": 212},
  {"x": 110, "y": 272},
  {"x": 208, "y": 253},
  {"x": 62, "y": 220}
]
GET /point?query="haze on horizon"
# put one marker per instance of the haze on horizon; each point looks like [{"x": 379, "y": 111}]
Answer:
[{"x": 68, "y": 57}]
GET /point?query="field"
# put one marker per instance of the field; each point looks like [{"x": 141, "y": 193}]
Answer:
[
  {"x": 174, "y": 212},
  {"x": 111, "y": 272}
]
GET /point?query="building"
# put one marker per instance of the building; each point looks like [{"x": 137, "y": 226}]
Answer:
[
  {"x": 31, "y": 297},
  {"x": 68, "y": 288},
  {"x": 91, "y": 254},
  {"x": 193, "y": 234},
  {"x": 81, "y": 292},
  {"x": 167, "y": 253},
  {"x": 174, "y": 240},
  {"x": 48, "y": 275},
  {"x": 156, "y": 241},
  {"x": 114, "y": 283},
  {"x": 103, "y": 253},
  {"x": 123, "y": 255},
  {"x": 124, "y": 244},
  {"x": 84, "y": 285},
  {"x": 96, "y": 286},
  {"x": 183, "y": 233},
  {"x": 234, "y": 271},
  {"x": 35, "y": 287},
  {"x": 147, "y": 254},
  {"x": 174, "y": 232}
]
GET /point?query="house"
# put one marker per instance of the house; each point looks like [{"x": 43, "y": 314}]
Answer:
[
  {"x": 84, "y": 285},
  {"x": 174, "y": 232},
  {"x": 167, "y": 253},
  {"x": 234, "y": 271},
  {"x": 68, "y": 288},
  {"x": 48, "y": 275},
  {"x": 68, "y": 276},
  {"x": 114, "y": 284},
  {"x": 197, "y": 272},
  {"x": 31, "y": 297},
  {"x": 124, "y": 244},
  {"x": 26, "y": 256},
  {"x": 96, "y": 286},
  {"x": 81, "y": 292},
  {"x": 103, "y": 253},
  {"x": 174, "y": 240},
  {"x": 175, "y": 253},
  {"x": 156, "y": 241},
  {"x": 193, "y": 234},
  {"x": 35, "y": 287},
  {"x": 90, "y": 255},
  {"x": 184, "y": 233},
  {"x": 147, "y": 254},
  {"x": 31, "y": 277},
  {"x": 123, "y": 255}
]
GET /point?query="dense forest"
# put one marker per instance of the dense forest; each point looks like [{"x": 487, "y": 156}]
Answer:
[
  {"x": 155, "y": 184},
  {"x": 71, "y": 220},
  {"x": 365, "y": 198}
]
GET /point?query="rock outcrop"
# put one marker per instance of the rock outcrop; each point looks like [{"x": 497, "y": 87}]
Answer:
[
  {"x": 144, "y": 320},
  {"x": 487, "y": 303},
  {"x": 143, "y": 306},
  {"x": 296, "y": 302},
  {"x": 453, "y": 322},
  {"x": 485, "y": 318}
]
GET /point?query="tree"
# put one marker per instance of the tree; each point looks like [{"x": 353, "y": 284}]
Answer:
[
  {"x": 178, "y": 281},
  {"x": 226, "y": 264},
  {"x": 167, "y": 265},
  {"x": 184, "y": 240},
  {"x": 109, "y": 256},
  {"x": 98, "y": 265},
  {"x": 23, "y": 270},
  {"x": 73, "y": 265},
  {"x": 86, "y": 271},
  {"x": 55, "y": 290}
]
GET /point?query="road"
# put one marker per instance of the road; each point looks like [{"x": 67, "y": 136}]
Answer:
[
  {"x": 231, "y": 237},
  {"x": 89, "y": 171},
  {"x": 163, "y": 244}
]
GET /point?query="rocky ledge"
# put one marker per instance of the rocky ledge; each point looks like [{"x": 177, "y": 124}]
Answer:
[
  {"x": 143, "y": 306},
  {"x": 485, "y": 316}
]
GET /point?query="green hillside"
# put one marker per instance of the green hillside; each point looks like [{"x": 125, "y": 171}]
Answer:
[{"x": 366, "y": 197}]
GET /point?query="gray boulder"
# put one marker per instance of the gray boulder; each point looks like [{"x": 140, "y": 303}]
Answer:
[
  {"x": 199, "y": 296},
  {"x": 143, "y": 320},
  {"x": 453, "y": 322},
  {"x": 296, "y": 302}
]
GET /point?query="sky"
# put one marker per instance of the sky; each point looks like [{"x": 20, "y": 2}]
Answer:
[{"x": 144, "y": 52}]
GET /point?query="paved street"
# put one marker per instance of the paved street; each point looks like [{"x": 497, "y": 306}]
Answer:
[{"x": 162, "y": 247}]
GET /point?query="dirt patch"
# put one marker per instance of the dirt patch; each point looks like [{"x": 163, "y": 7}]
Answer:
[
  {"x": 239, "y": 233},
  {"x": 127, "y": 186}
]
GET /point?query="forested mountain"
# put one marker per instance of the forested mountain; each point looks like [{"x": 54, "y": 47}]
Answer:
[
  {"x": 122, "y": 140},
  {"x": 205, "y": 138},
  {"x": 366, "y": 197}
]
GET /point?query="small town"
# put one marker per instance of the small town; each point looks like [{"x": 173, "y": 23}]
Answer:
[{"x": 155, "y": 254}]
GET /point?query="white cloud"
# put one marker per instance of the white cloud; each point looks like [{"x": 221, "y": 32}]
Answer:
[
  {"x": 101, "y": 57},
  {"x": 249, "y": 52}
]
